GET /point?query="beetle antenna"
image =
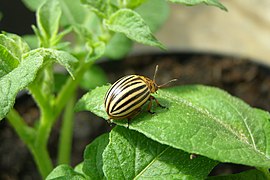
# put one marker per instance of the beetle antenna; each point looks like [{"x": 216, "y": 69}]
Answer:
[
  {"x": 167, "y": 83},
  {"x": 154, "y": 79}
]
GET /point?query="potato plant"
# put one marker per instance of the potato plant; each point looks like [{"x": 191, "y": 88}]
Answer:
[{"x": 200, "y": 120}]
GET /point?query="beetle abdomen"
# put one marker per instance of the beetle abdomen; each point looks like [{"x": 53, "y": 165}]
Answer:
[{"x": 126, "y": 96}]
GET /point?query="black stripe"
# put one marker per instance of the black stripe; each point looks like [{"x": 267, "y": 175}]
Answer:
[
  {"x": 133, "y": 101},
  {"x": 116, "y": 84},
  {"x": 126, "y": 83},
  {"x": 122, "y": 98},
  {"x": 123, "y": 87}
]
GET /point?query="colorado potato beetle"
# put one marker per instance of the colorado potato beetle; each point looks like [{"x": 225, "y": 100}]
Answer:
[{"x": 127, "y": 95}]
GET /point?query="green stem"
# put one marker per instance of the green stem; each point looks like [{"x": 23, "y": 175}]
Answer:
[
  {"x": 65, "y": 142},
  {"x": 41, "y": 101},
  {"x": 28, "y": 135},
  {"x": 44, "y": 128},
  {"x": 42, "y": 160},
  {"x": 69, "y": 88}
]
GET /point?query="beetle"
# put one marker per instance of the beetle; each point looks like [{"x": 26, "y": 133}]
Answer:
[{"x": 127, "y": 95}]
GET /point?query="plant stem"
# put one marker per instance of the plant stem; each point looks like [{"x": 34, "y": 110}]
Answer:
[
  {"x": 28, "y": 136},
  {"x": 44, "y": 129},
  {"x": 65, "y": 142},
  {"x": 26, "y": 133},
  {"x": 41, "y": 101},
  {"x": 69, "y": 88},
  {"x": 42, "y": 160}
]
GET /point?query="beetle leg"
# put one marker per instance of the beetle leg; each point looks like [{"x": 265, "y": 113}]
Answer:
[
  {"x": 128, "y": 123},
  {"x": 150, "y": 105},
  {"x": 135, "y": 113},
  {"x": 152, "y": 97},
  {"x": 193, "y": 156},
  {"x": 109, "y": 121}
]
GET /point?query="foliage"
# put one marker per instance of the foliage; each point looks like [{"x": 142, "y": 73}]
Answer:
[{"x": 199, "y": 119}]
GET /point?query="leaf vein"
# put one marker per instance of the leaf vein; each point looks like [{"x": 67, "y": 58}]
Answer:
[
  {"x": 152, "y": 162},
  {"x": 206, "y": 112}
]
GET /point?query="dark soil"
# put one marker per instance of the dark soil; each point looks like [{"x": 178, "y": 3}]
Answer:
[{"x": 240, "y": 77}]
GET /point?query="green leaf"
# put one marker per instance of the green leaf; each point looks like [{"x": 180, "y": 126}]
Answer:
[
  {"x": 26, "y": 73},
  {"x": 118, "y": 46},
  {"x": 48, "y": 18},
  {"x": 195, "y": 2},
  {"x": 133, "y": 26},
  {"x": 8, "y": 55},
  {"x": 93, "y": 77},
  {"x": 61, "y": 57},
  {"x": 201, "y": 120},
  {"x": 64, "y": 172},
  {"x": 96, "y": 51},
  {"x": 100, "y": 7},
  {"x": 79, "y": 168},
  {"x": 32, "y": 40},
  {"x": 18, "y": 79},
  {"x": 93, "y": 162},
  {"x": 251, "y": 174},
  {"x": 152, "y": 18},
  {"x": 14, "y": 44},
  {"x": 132, "y": 4},
  {"x": 93, "y": 101},
  {"x": 32, "y": 4},
  {"x": 7, "y": 61},
  {"x": 19, "y": 47},
  {"x": 130, "y": 155},
  {"x": 73, "y": 12}
]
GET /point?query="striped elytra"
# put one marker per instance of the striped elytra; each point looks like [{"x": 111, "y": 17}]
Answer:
[{"x": 127, "y": 95}]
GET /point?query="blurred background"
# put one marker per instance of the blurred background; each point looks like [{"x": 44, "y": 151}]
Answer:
[{"x": 242, "y": 31}]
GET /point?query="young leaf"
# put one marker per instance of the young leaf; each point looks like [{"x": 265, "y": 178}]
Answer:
[
  {"x": 152, "y": 18},
  {"x": 93, "y": 77},
  {"x": 93, "y": 162},
  {"x": 32, "y": 4},
  {"x": 251, "y": 174},
  {"x": 100, "y": 7},
  {"x": 133, "y": 26},
  {"x": 48, "y": 17},
  {"x": 118, "y": 46},
  {"x": 18, "y": 79},
  {"x": 73, "y": 12},
  {"x": 195, "y": 2},
  {"x": 19, "y": 47},
  {"x": 11, "y": 49},
  {"x": 31, "y": 40},
  {"x": 130, "y": 155},
  {"x": 201, "y": 120},
  {"x": 132, "y": 4},
  {"x": 64, "y": 172},
  {"x": 7, "y": 61},
  {"x": 14, "y": 45},
  {"x": 61, "y": 57},
  {"x": 96, "y": 51}
]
